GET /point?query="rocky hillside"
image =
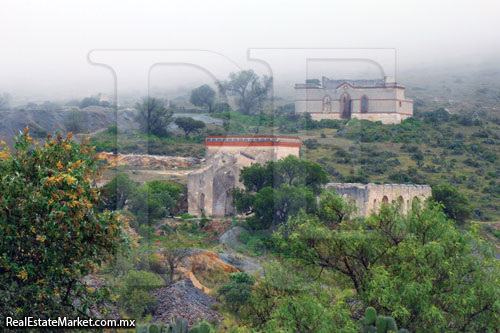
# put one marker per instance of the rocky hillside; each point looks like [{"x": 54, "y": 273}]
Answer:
[{"x": 43, "y": 122}]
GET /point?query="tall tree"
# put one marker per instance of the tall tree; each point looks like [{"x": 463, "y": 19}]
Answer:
[
  {"x": 455, "y": 204},
  {"x": 51, "y": 233},
  {"x": 189, "y": 125},
  {"x": 203, "y": 96},
  {"x": 153, "y": 116},
  {"x": 250, "y": 90}
]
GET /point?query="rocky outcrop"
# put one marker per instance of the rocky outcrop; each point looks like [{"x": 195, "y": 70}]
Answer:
[
  {"x": 150, "y": 161},
  {"x": 183, "y": 299},
  {"x": 200, "y": 261}
]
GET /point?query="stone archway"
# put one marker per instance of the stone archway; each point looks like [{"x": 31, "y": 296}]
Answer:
[
  {"x": 224, "y": 182},
  {"x": 385, "y": 199},
  {"x": 345, "y": 106}
]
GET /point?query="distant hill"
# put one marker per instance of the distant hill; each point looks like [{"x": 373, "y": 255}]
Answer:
[{"x": 43, "y": 122}]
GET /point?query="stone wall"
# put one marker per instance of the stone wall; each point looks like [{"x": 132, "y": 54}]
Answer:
[
  {"x": 368, "y": 197},
  {"x": 209, "y": 188}
]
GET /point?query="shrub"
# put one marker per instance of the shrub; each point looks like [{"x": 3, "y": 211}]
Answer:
[
  {"x": 134, "y": 294},
  {"x": 237, "y": 291}
]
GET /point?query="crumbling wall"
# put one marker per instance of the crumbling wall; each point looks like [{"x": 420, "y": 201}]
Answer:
[{"x": 369, "y": 197}]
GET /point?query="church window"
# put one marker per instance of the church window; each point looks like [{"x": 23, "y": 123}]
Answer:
[{"x": 364, "y": 104}]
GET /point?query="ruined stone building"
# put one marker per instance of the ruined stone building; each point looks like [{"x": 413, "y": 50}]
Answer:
[
  {"x": 376, "y": 100},
  {"x": 209, "y": 188},
  {"x": 368, "y": 197}
]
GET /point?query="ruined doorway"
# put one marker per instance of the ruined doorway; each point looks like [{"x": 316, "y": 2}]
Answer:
[
  {"x": 345, "y": 106},
  {"x": 202, "y": 203},
  {"x": 224, "y": 183}
]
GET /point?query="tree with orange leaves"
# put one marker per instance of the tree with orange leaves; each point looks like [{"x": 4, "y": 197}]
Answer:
[{"x": 51, "y": 233}]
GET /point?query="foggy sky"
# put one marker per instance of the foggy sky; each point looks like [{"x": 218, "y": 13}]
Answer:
[{"x": 44, "y": 44}]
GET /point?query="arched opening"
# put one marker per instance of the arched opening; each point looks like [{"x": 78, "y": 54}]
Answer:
[
  {"x": 345, "y": 106},
  {"x": 400, "y": 200},
  {"x": 202, "y": 202},
  {"x": 327, "y": 104},
  {"x": 385, "y": 199},
  {"x": 224, "y": 182},
  {"x": 364, "y": 104}
]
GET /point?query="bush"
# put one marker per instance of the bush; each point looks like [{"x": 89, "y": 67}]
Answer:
[
  {"x": 134, "y": 294},
  {"x": 237, "y": 291}
]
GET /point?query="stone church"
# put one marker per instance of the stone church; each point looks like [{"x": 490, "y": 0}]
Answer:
[
  {"x": 209, "y": 188},
  {"x": 376, "y": 100}
]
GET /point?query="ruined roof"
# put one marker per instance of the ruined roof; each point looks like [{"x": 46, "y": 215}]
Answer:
[{"x": 255, "y": 140}]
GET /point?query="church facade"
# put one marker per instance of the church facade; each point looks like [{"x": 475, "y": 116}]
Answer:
[{"x": 375, "y": 100}]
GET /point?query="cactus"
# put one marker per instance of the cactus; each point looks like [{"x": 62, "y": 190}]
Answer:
[
  {"x": 154, "y": 328},
  {"x": 370, "y": 316},
  {"x": 369, "y": 329},
  {"x": 202, "y": 327},
  {"x": 403, "y": 330},
  {"x": 391, "y": 324},
  {"x": 381, "y": 324},
  {"x": 141, "y": 329}
]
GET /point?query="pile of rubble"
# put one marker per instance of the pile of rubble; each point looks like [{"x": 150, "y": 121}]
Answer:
[
  {"x": 183, "y": 299},
  {"x": 150, "y": 161}
]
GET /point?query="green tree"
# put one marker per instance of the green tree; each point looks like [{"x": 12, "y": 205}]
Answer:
[
  {"x": 51, "y": 234},
  {"x": 417, "y": 267},
  {"x": 250, "y": 90},
  {"x": 283, "y": 300},
  {"x": 455, "y": 204},
  {"x": 277, "y": 190},
  {"x": 237, "y": 291},
  {"x": 153, "y": 117},
  {"x": 118, "y": 191},
  {"x": 203, "y": 96},
  {"x": 153, "y": 200},
  {"x": 189, "y": 125},
  {"x": 419, "y": 158}
]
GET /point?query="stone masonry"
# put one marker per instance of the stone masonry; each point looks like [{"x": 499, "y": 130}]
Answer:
[
  {"x": 209, "y": 188},
  {"x": 368, "y": 197}
]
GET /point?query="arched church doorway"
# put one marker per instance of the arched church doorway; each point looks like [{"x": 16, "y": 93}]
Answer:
[
  {"x": 224, "y": 183},
  {"x": 345, "y": 106}
]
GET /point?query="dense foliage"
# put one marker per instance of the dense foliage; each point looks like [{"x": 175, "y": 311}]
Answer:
[
  {"x": 203, "y": 96},
  {"x": 278, "y": 189},
  {"x": 189, "y": 125},
  {"x": 51, "y": 233},
  {"x": 455, "y": 204},
  {"x": 416, "y": 267}
]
